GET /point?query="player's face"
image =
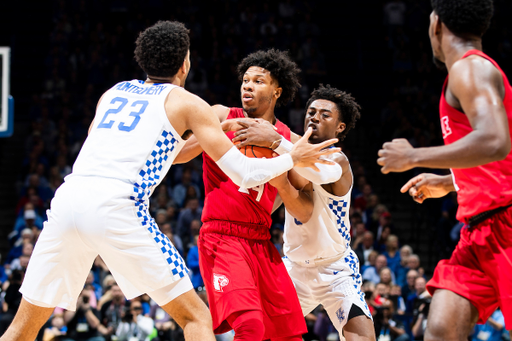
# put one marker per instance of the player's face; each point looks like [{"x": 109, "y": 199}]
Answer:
[
  {"x": 324, "y": 118},
  {"x": 259, "y": 91},
  {"x": 435, "y": 41}
]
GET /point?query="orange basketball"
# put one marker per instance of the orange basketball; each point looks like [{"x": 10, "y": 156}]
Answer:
[{"x": 257, "y": 152}]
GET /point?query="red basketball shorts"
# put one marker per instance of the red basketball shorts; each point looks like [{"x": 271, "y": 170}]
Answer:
[
  {"x": 243, "y": 274},
  {"x": 480, "y": 268}
]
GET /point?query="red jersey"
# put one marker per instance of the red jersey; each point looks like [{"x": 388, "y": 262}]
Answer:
[
  {"x": 485, "y": 187},
  {"x": 244, "y": 214}
]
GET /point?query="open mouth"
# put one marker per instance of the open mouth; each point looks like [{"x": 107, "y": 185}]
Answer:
[
  {"x": 312, "y": 126},
  {"x": 246, "y": 97}
]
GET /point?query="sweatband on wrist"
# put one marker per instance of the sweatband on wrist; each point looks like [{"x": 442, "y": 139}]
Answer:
[{"x": 248, "y": 172}]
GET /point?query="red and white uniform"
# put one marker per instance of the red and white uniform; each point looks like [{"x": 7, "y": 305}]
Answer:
[
  {"x": 480, "y": 268},
  {"x": 241, "y": 268}
]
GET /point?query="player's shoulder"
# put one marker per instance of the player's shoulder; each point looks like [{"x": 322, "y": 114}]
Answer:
[
  {"x": 474, "y": 69},
  {"x": 181, "y": 99},
  {"x": 221, "y": 111},
  {"x": 341, "y": 159}
]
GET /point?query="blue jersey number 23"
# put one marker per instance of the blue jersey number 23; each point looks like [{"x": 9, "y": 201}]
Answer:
[{"x": 142, "y": 105}]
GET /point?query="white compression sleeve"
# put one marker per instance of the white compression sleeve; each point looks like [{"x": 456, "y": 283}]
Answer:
[
  {"x": 328, "y": 173},
  {"x": 248, "y": 173}
]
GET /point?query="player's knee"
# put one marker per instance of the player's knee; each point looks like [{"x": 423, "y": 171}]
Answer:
[
  {"x": 438, "y": 330},
  {"x": 248, "y": 326}
]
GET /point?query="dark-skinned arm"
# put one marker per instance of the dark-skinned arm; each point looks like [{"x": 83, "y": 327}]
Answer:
[
  {"x": 426, "y": 186},
  {"x": 295, "y": 192},
  {"x": 477, "y": 86}
]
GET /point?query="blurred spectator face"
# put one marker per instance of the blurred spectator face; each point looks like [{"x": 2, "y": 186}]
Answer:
[
  {"x": 166, "y": 228},
  {"x": 382, "y": 290},
  {"x": 420, "y": 285},
  {"x": 161, "y": 201},
  {"x": 392, "y": 242},
  {"x": 405, "y": 252},
  {"x": 413, "y": 262},
  {"x": 373, "y": 200},
  {"x": 191, "y": 192},
  {"x": 193, "y": 204},
  {"x": 27, "y": 249},
  {"x": 385, "y": 219},
  {"x": 186, "y": 176},
  {"x": 368, "y": 239},
  {"x": 381, "y": 262},
  {"x": 385, "y": 276},
  {"x": 372, "y": 257},
  {"x": 161, "y": 217},
  {"x": 136, "y": 308},
  {"x": 27, "y": 236},
  {"x": 360, "y": 229},
  {"x": 90, "y": 278},
  {"x": 24, "y": 261},
  {"x": 257, "y": 90},
  {"x": 58, "y": 322},
  {"x": 367, "y": 190},
  {"x": 171, "y": 211},
  {"x": 117, "y": 294},
  {"x": 396, "y": 290},
  {"x": 361, "y": 181},
  {"x": 195, "y": 226},
  {"x": 411, "y": 277},
  {"x": 386, "y": 231},
  {"x": 30, "y": 217},
  {"x": 33, "y": 181},
  {"x": 108, "y": 282}
]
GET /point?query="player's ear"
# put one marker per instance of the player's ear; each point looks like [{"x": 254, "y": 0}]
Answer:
[
  {"x": 278, "y": 92},
  {"x": 341, "y": 128}
]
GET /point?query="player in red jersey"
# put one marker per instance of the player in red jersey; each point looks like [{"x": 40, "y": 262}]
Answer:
[
  {"x": 476, "y": 118},
  {"x": 248, "y": 287}
]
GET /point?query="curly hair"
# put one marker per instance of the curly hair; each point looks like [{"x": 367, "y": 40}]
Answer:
[
  {"x": 281, "y": 68},
  {"x": 465, "y": 16},
  {"x": 161, "y": 49},
  {"x": 349, "y": 110}
]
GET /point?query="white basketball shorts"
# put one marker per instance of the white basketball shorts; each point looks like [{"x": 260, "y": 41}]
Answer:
[
  {"x": 336, "y": 286},
  {"x": 91, "y": 216}
]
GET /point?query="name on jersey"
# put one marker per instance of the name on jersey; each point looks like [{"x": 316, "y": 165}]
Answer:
[{"x": 134, "y": 89}]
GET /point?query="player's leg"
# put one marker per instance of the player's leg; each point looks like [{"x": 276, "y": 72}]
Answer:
[
  {"x": 190, "y": 312},
  {"x": 28, "y": 321},
  {"x": 359, "y": 327},
  {"x": 248, "y": 325},
  {"x": 451, "y": 317}
]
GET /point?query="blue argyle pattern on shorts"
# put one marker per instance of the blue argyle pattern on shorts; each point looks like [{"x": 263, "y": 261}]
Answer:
[
  {"x": 340, "y": 209},
  {"x": 353, "y": 262},
  {"x": 149, "y": 177}
]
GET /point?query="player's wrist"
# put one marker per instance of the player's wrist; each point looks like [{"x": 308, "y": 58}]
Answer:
[{"x": 276, "y": 143}]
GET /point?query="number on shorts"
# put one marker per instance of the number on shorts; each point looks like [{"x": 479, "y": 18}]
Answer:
[{"x": 124, "y": 102}]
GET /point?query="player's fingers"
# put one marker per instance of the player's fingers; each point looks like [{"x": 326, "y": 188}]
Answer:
[
  {"x": 243, "y": 144},
  {"x": 329, "y": 151},
  {"x": 240, "y": 132},
  {"x": 387, "y": 145},
  {"x": 326, "y": 162},
  {"x": 384, "y": 169},
  {"x": 315, "y": 168},
  {"x": 411, "y": 183},
  {"x": 381, "y": 153},
  {"x": 381, "y": 161},
  {"x": 307, "y": 134},
  {"x": 400, "y": 140},
  {"x": 245, "y": 122}
]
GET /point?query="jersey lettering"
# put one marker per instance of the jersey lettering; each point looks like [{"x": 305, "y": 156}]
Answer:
[
  {"x": 445, "y": 127},
  {"x": 123, "y": 102}
]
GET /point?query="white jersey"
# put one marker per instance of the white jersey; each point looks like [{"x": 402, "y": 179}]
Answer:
[
  {"x": 132, "y": 139},
  {"x": 325, "y": 236}
]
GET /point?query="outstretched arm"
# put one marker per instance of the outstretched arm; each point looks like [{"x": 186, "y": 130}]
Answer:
[
  {"x": 476, "y": 87},
  {"x": 243, "y": 171}
]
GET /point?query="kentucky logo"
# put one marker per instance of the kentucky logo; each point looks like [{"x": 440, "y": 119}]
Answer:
[
  {"x": 219, "y": 282},
  {"x": 340, "y": 314},
  {"x": 445, "y": 126}
]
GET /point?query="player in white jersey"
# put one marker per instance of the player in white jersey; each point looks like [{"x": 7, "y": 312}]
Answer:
[
  {"x": 317, "y": 249},
  {"x": 102, "y": 208}
]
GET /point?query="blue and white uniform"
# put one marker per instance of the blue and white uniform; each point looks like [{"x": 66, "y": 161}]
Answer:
[
  {"x": 320, "y": 261},
  {"x": 102, "y": 208}
]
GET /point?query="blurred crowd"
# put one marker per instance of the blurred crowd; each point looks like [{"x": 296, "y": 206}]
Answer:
[{"x": 91, "y": 48}]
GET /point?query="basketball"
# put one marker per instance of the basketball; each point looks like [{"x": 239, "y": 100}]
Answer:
[{"x": 256, "y": 152}]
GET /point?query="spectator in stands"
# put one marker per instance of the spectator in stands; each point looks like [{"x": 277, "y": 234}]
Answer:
[
  {"x": 166, "y": 327},
  {"x": 175, "y": 239},
  {"x": 358, "y": 235},
  {"x": 364, "y": 248},
  {"x": 113, "y": 310},
  {"x": 373, "y": 273},
  {"x": 27, "y": 237},
  {"x": 408, "y": 288},
  {"x": 56, "y": 330},
  {"x": 413, "y": 263},
  {"x": 402, "y": 269},
  {"x": 385, "y": 275},
  {"x": 12, "y": 299},
  {"x": 84, "y": 323},
  {"x": 421, "y": 307},
  {"x": 396, "y": 296},
  {"x": 372, "y": 258},
  {"x": 387, "y": 328},
  {"x": 492, "y": 330},
  {"x": 17, "y": 263},
  {"x": 392, "y": 255},
  {"x": 383, "y": 232},
  {"x": 134, "y": 325},
  {"x": 185, "y": 218},
  {"x": 419, "y": 292},
  {"x": 179, "y": 192},
  {"x": 193, "y": 264}
]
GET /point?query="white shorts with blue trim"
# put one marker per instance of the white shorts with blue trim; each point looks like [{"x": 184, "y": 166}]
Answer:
[
  {"x": 336, "y": 286},
  {"x": 92, "y": 216}
]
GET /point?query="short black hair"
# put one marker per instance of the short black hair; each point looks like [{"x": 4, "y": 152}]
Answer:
[
  {"x": 349, "y": 110},
  {"x": 464, "y": 17},
  {"x": 161, "y": 49},
  {"x": 281, "y": 68}
]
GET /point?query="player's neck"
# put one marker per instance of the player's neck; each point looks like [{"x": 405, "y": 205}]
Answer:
[
  {"x": 268, "y": 115},
  {"x": 457, "y": 47},
  {"x": 158, "y": 80}
]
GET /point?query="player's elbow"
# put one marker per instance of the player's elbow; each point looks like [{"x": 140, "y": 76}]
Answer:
[
  {"x": 499, "y": 148},
  {"x": 305, "y": 215}
]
